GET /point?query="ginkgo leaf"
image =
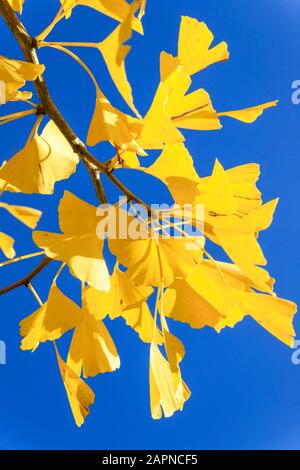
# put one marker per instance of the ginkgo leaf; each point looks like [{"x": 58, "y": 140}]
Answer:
[
  {"x": 12, "y": 94},
  {"x": 79, "y": 394},
  {"x": 17, "y": 72},
  {"x": 76, "y": 217},
  {"x": 175, "y": 353},
  {"x": 5, "y": 186},
  {"x": 109, "y": 124},
  {"x": 139, "y": 318},
  {"x": 126, "y": 300},
  {"x": 82, "y": 253},
  {"x": 114, "y": 51},
  {"x": 26, "y": 215},
  {"x": 175, "y": 168},
  {"x": 219, "y": 296},
  {"x": 7, "y": 245},
  {"x": 218, "y": 197},
  {"x": 273, "y": 314},
  {"x": 56, "y": 316},
  {"x": 92, "y": 349},
  {"x": 44, "y": 160},
  {"x": 194, "y": 46},
  {"x": 239, "y": 240},
  {"x": 163, "y": 390},
  {"x": 125, "y": 293},
  {"x": 203, "y": 299},
  {"x": 79, "y": 245},
  {"x": 187, "y": 110},
  {"x": 155, "y": 262},
  {"x": 168, "y": 64},
  {"x": 249, "y": 115},
  {"x": 157, "y": 127},
  {"x": 116, "y": 9},
  {"x": 242, "y": 180},
  {"x": 239, "y": 186},
  {"x": 122, "y": 295},
  {"x": 17, "y": 5},
  {"x": 195, "y": 110}
]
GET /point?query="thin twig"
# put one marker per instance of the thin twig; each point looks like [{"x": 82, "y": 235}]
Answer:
[
  {"x": 26, "y": 280},
  {"x": 28, "y": 46}
]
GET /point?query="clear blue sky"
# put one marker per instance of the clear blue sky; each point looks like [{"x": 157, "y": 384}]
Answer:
[{"x": 245, "y": 389}]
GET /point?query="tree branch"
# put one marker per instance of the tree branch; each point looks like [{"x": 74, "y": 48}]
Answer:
[
  {"x": 26, "y": 280},
  {"x": 47, "y": 106},
  {"x": 28, "y": 47}
]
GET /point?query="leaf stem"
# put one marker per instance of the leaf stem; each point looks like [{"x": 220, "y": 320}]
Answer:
[
  {"x": 34, "y": 293},
  {"x": 21, "y": 258},
  {"x": 58, "y": 17}
]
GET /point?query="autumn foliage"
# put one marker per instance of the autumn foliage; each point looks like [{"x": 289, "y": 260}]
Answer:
[{"x": 188, "y": 284}]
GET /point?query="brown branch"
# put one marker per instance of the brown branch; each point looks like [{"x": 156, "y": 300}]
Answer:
[
  {"x": 26, "y": 280},
  {"x": 47, "y": 106},
  {"x": 95, "y": 177},
  {"x": 28, "y": 47}
]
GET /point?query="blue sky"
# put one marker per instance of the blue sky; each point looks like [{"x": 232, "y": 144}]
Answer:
[{"x": 245, "y": 389}]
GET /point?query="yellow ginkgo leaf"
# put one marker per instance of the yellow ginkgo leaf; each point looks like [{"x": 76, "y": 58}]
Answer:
[
  {"x": 175, "y": 353},
  {"x": 195, "y": 110},
  {"x": 249, "y": 115},
  {"x": 273, "y": 314},
  {"x": 26, "y": 215},
  {"x": 92, "y": 349},
  {"x": 116, "y": 9},
  {"x": 168, "y": 64},
  {"x": 206, "y": 118},
  {"x": 236, "y": 186},
  {"x": 155, "y": 261},
  {"x": 109, "y": 124},
  {"x": 203, "y": 299},
  {"x": 79, "y": 394},
  {"x": 114, "y": 51},
  {"x": 82, "y": 253},
  {"x": 56, "y": 316},
  {"x": 194, "y": 46},
  {"x": 76, "y": 217},
  {"x": 7, "y": 245},
  {"x": 218, "y": 197},
  {"x": 242, "y": 181},
  {"x": 17, "y": 5},
  {"x": 220, "y": 295},
  {"x": 44, "y": 160},
  {"x": 187, "y": 111},
  {"x": 79, "y": 245},
  {"x": 17, "y": 72},
  {"x": 239, "y": 240},
  {"x": 163, "y": 390},
  {"x": 122, "y": 295},
  {"x": 12, "y": 94},
  {"x": 157, "y": 128},
  {"x": 139, "y": 318},
  {"x": 175, "y": 168}
]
